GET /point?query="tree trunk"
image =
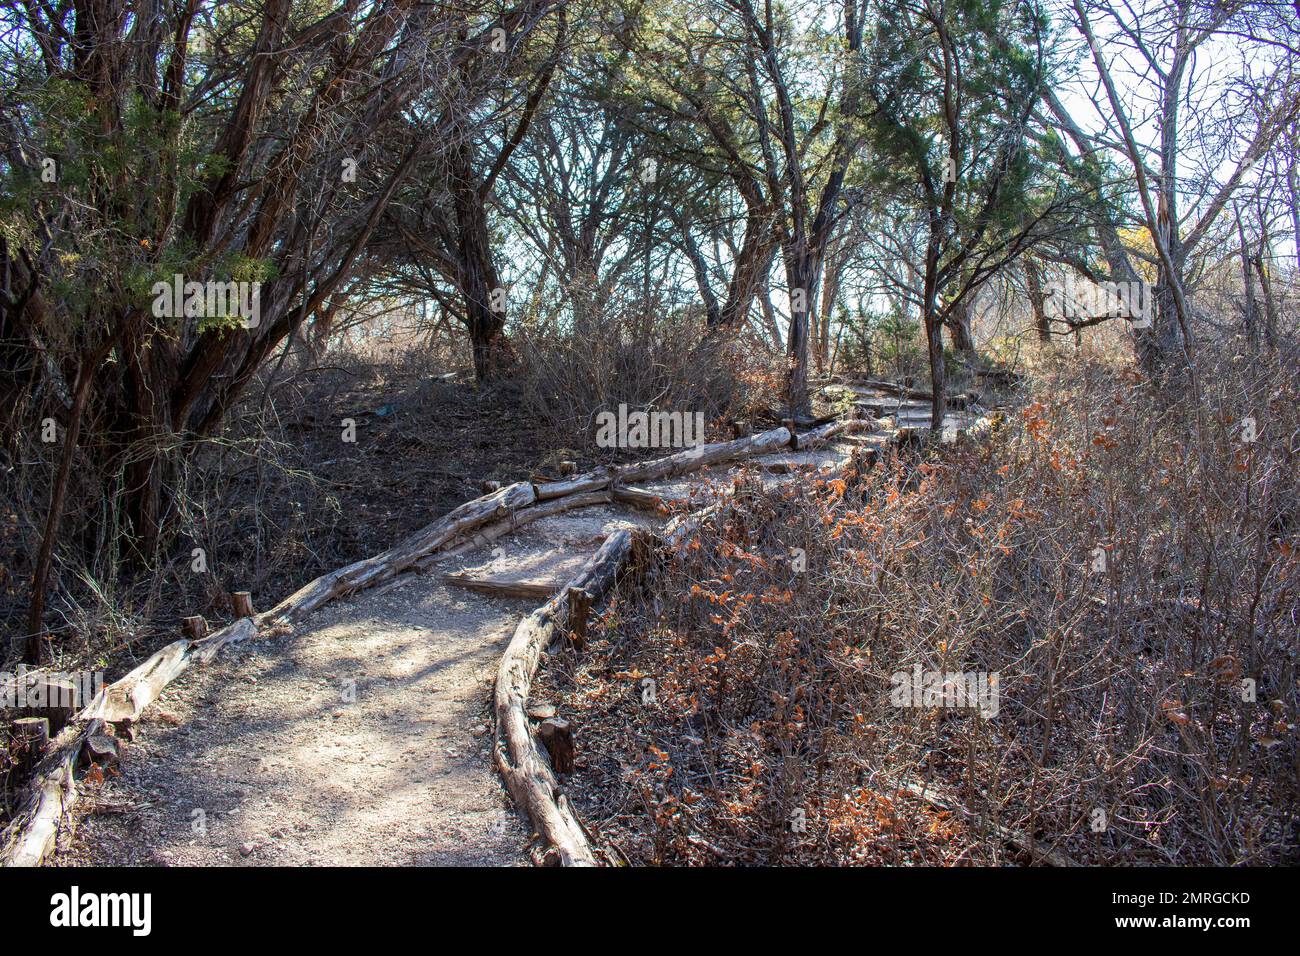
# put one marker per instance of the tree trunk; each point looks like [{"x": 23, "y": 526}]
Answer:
[
  {"x": 958, "y": 324},
  {"x": 1034, "y": 286},
  {"x": 479, "y": 281},
  {"x": 54, "y": 517},
  {"x": 802, "y": 269}
]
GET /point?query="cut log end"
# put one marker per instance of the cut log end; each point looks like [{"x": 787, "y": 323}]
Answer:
[{"x": 241, "y": 603}]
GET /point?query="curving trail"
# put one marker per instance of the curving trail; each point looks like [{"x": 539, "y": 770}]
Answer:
[{"x": 364, "y": 737}]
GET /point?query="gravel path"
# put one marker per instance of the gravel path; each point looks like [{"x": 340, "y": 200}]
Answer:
[{"x": 361, "y": 739}]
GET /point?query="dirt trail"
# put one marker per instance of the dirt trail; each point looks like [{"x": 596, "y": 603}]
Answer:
[{"x": 362, "y": 739}]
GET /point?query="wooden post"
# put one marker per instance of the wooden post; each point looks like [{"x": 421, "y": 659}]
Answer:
[
  {"x": 242, "y": 603},
  {"x": 579, "y": 609},
  {"x": 557, "y": 735},
  {"x": 27, "y": 743},
  {"x": 195, "y": 627}
]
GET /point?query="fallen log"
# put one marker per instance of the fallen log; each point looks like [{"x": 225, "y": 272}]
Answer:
[
  {"x": 640, "y": 498},
  {"x": 124, "y": 699},
  {"x": 523, "y": 763},
  {"x": 371, "y": 571},
  {"x": 52, "y": 792},
  {"x": 500, "y": 587},
  {"x": 489, "y": 533},
  {"x": 702, "y": 456},
  {"x": 32, "y": 833}
]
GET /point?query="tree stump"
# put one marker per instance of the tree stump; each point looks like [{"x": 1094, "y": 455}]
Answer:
[
  {"x": 568, "y": 468},
  {"x": 794, "y": 438},
  {"x": 490, "y": 486},
  {"x": 579, "y": 610},
  {"x": 54, "y": 698},
  {"x": 28, "y": 738},
  {"x": 195, "y": 628},
  {"x": 557, "y": 735},
  {"x": 241, "y": 602}
]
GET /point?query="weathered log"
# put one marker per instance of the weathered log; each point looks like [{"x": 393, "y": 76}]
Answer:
[
  {"x": 124, "y": 699},
  {"x": 702, "y": 456},
  {"x": 502, "y": 587},
  {"x": 489, "y": 533},
  {"x": 597, "y": 479},
  {"x": 528, "y": 774},
  {"x": 31, "y": 834},
  {"x": 639, "y": 498}
]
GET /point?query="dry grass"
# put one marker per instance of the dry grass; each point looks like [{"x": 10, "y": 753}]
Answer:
[{"x": 1124, "y": 733}]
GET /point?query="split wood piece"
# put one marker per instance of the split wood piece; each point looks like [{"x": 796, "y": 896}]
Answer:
[
  {"x": 241, "y": 603},
  {"x": 640, "y": 498},
  {"x": 944, "y": 801},
  {"x": 103, "y": 749},
  {"x": 527, "y": 771}
]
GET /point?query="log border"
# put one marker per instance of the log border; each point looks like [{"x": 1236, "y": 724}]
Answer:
[{"x": 52, "y": 792}]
